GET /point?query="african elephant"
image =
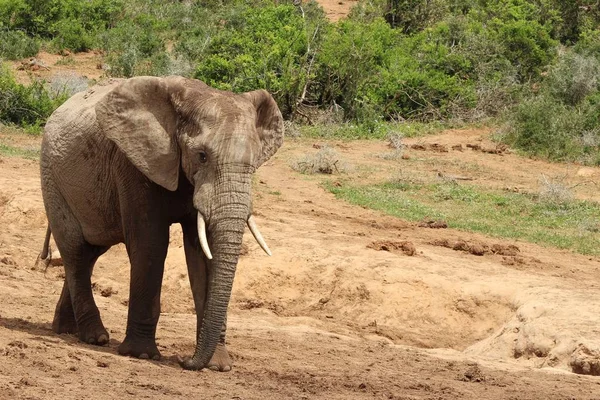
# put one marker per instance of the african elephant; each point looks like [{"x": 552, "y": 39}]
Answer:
[{"x": 122, "y": 162}]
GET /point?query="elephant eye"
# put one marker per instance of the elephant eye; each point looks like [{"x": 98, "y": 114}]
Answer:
[{"x": 203, "y": 157}]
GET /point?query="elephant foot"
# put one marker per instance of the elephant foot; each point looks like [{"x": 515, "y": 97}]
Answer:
[
  {"x": 139, "y": 348},
  {"x": 94, "y": 334},
  {"x": 220, "y": 360}
]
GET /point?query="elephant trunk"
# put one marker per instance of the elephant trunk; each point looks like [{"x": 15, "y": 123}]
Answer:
[{"x": 226, "y": 229}]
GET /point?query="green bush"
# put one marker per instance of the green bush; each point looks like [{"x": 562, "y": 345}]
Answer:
[
  {"x": 352, "y": 57},
  {"x": 412, "y": 16},
  {"x": 132, "y": 44},
  {"x": 15, "y": 45},
  {"x": 27, "y": 106},
  {"x": 72, "y": 24},
  {"x": 70, "y": 34},
  {"x": 263, "y": 47},
  {"x": 561, "y": 121},
  {"x": 373, "y": 72},
  {"x": 546, "y": 128},
  {"x": 573, "y": 78},
  {"x": 589, "y": 43}
]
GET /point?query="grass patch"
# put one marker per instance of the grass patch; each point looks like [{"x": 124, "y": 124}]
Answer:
[
  {"x": 377, "y": 130},
  {"x": 567, "y": 225},
  {"x": 11, "y": 151}
]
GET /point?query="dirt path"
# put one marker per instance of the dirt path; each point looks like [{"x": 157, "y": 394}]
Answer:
[{"x": 327, "y": 316}]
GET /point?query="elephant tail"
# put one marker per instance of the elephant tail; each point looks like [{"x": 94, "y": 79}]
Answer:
[{"x": 45, "y": 257}]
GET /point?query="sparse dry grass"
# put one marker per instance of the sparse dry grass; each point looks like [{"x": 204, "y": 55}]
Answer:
[
  {"x": 326, "y": 161},
  {"x": 554, "y": 190}
]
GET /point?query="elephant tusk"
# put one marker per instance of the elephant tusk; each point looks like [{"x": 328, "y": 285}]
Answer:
[
  {"x": 256, "y": 233},
  {"x": 202, "y": 236}
]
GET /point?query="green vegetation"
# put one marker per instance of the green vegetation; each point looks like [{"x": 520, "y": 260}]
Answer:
[
  {"x": 530, "y": 63},
  {"x": 566, "y": 224},
  {"x": 561, "y": 121},
  {"x": 16, "y": 44},
  {"x": 27, "y": 106},
  {"x": 12, "y": 151}
]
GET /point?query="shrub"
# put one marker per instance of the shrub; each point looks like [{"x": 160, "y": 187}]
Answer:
[
  {"x": 263, "y": 47},
  {"x": 544, "y": 127},
  {"x": 554, "y": 191},
  {"x": 425, "y": 80},
  {"x": 573, "y": 78},
  {"x": 589, "y": 43},
  {"x": 352, "y": 57},
  {"x": 412, "y": 16},
  {"x": 16, "y": 44},
  {"x": 66, "y": 84},
  {"x": 40, "y": 17},
  {"x": 133, "y": 46},
  {"x": 70, "y": 34},
  {"x": 325, "y": 161},
  {"x": 27, "y": 106},
  {"x": 528, "y": 45}
]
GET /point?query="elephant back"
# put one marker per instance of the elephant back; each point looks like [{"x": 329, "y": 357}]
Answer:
[{"x": 73, "y": 120}]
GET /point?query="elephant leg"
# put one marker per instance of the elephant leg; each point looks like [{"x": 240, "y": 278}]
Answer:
[
  {"x": 198, "y": 274},
  {"x": 147, "y": 250},
  {"x": 64, "y": 315},
  {"x": 76, "y": 302}
]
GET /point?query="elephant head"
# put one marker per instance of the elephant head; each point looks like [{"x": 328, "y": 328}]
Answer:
[{"x": 166, "y": 126}]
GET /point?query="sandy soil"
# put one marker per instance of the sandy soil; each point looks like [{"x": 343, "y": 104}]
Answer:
[
  {"x": 332, "y": 314},
  {"x": 49, "y": 66},
  {"x": 336, "y": 9}
]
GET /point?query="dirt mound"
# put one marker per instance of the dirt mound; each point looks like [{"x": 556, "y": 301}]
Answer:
[
  {"x": 478, "y": 248},
  {"x": 434, "y": 224},
  {"x": 405, "y": 247},
  {"x": 436, "y": 147}
]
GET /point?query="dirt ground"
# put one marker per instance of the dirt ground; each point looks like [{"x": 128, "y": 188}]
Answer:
[
  {"x": 332, "y": 314},
  {"x": 336, "y": 9}
]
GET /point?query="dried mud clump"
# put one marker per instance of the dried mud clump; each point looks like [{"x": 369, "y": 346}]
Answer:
[
  {"x": 472, "y": 374},
  {"x": 405, "y": 247},
  {"x": 505, "y": 250},
  {"x": 434, "y": 224},
  {"x": 499, "y": 149},
  {"x": 7, "y": 260},
  {"x": 251, "y": 304},
  {"x": 585, "y": 361},
  {"x": 436, "y": 147},
  {"x": 477, "y": 248}
]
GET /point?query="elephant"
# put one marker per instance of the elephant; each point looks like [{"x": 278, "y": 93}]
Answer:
[{"x": 123, "y": 161}]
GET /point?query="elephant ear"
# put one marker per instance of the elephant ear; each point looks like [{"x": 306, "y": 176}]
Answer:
[
  {"x": 269, "y": 123},
  {"x": 139, "y": 117}
]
